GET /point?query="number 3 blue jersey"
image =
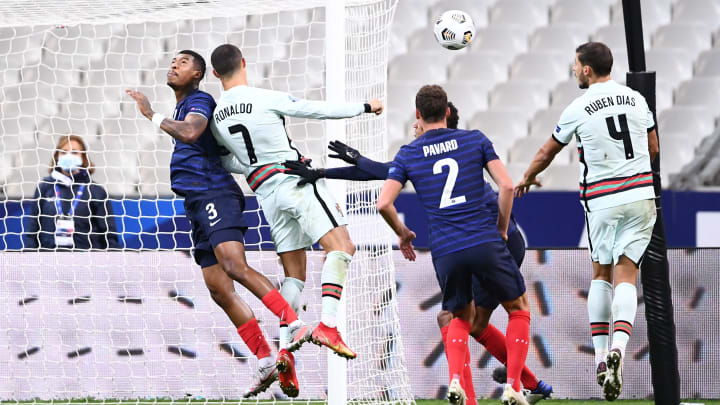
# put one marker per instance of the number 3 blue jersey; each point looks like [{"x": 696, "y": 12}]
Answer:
[
  {"x": 197, "y": 167},
  {"x": 446, "y": 168}
]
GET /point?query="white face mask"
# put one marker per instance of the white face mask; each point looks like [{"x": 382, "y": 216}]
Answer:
[{"x": 69, "y": 162}]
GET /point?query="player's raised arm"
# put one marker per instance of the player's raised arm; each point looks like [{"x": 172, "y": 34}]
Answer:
[
  {"x": 386, "y": 207},
  {"x": 187, "y": 131},
  {"x": 294, "y": 107}
]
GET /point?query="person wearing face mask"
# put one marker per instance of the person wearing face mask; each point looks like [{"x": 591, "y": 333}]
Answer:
[{"x": 68, "y": 210}]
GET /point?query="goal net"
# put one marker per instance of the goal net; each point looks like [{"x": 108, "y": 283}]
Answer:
[{"x": 136, "y": 323}]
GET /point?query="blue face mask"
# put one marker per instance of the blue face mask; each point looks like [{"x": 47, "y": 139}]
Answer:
[{"x": 69, "y": 162}]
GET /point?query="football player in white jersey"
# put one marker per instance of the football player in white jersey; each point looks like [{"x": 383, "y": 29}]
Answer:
[
  {"x": 250, "y": 123},
  {"x": 614, "y": 129}
]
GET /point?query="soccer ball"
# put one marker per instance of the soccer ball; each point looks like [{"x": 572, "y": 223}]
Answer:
[{"x": 454, "y": 29}]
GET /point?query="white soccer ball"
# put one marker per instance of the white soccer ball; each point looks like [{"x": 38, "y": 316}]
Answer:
[{"x": 454, "y": 29}]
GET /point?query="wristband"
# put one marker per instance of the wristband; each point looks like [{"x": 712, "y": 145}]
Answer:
[
  {"x": 368, "y": 108},
  {"x": 157, "y": 119}
]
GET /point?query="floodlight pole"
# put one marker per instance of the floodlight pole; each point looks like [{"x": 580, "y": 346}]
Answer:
[{"x": 655, "y": 271}]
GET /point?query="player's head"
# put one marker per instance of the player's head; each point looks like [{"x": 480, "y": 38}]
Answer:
[
  {"x": 227, "y": 59},
  {"x": 453, "y": 118},
  {"x": 431, "y": 105},
  {"x": 186, "y": 69},
  {"x": 71, "y": 155},
  {"x": 593, "y": 60}
]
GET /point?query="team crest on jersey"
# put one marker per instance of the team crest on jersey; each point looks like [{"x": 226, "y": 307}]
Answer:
[
  {"x": 557, "y": 129},
  {"x": 337, "y": 207}
]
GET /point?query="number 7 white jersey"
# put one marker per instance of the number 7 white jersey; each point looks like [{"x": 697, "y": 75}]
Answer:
[
  {"x": 250, "y": 123},
  {"x": 610, "y": 123}
]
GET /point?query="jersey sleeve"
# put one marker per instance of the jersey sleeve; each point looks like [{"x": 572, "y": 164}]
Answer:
[
  {"x": 285, "y": 104},
  {"x": 566, "y": 126},
  {"x": 487, "y": 151},
  {"x": 202, "y": 105},
  {"x": 398, "y": 169}
]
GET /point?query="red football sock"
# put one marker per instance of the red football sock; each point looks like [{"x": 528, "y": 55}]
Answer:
[
  {"x": 494, "y": 342},
  {"x": 517, "y": 340},
  {"x": 253, "y": 337},
  {"x": 456, "y": 346},
  {"x": 467, "y": 382},
  {"x": 278, "y": 306},
  {"x": 443, "y": 334}
]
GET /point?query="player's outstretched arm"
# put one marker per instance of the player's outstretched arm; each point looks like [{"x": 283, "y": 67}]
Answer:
[
  {"x": 386, "y": 207},
  {"x": 293, "y": 107},
  {"x": 505, "y": 195},
  {"x": 187, "y": 131},
  {"x": 369, "y": 169},
  {"x": 542, "y": 160}
]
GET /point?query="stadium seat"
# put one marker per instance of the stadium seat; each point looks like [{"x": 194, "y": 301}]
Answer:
[
  {"x": 560, "y": 177},
  {"x": 696, "y": 11},
  {"x": 588, "y": 13},
  {"x": 523, "y": 14},
  {"x": 419, "y": 68},
  {"x": 701, "y": 92},
  {"x": 693, "y": 122},
  {"x": 674, "y": 154},
  {"x": 708, "y": 64},
  {"x": 507, "y": 41},
  {"x": 654, "y": 14},
  {"x": 544, "y": 122},
  {"x": 469, "y": 97},
  {"x": 691, "y": 37},
  {"x": 670, "y": 64},
  {"x": 561, "y": 38},
  {"x": 663, "y": 95},
  {"x": 502, "y": 127},
  {"x": 478, "y": 66},
  {"x": 523, "y": 97},
  {"x": 408, "y": 18},
  {"x": 549, "y": 67},
  {"x": 564, "y": 93},
  {"x": 620, "y": 66},
  {"x": 614, "y": 37},
  {"x": 478, "y": 9},
  {"x": 423, "y": 41},
  {"x": 524, "y": 149}
]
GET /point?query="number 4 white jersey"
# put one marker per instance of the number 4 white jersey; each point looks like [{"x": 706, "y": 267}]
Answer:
[
  {"x": 250, "y": 123},
  {"x": 610, "y": 123}
]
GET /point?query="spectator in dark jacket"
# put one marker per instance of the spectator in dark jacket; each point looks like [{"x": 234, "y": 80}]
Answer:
[{"x": 69, "y": 211}]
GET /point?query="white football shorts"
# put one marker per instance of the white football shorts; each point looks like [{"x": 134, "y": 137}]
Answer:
[
  {"x": 300, "y": 216},
  {"x": 622, "y": 230}
]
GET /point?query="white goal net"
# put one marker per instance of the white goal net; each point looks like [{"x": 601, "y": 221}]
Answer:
[{"x": 137, "y": 323}]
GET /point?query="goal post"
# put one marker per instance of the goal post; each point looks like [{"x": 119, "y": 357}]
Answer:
[{"x": 137, "y": 324}]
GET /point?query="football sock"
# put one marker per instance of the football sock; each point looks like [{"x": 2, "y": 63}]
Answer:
[
  {"x": 467, "y": 382},
  {"x": 624, "y": 307},
  {"x": 517, "y": 340},
  {"x": 466, "y": 378},
  {"x": 332, "y": 278},
  {"x": 253, "y": 337},
  {"x": 278, "y": 306},
  {"x": 291, "y": 290},
  {"x": 494, "y": 341},
  {"x": 599, "y": 312},
  {"x": 456, "y": 346}
]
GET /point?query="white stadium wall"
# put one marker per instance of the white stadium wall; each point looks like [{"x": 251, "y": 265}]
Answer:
[{"x": 142, "y": 325}]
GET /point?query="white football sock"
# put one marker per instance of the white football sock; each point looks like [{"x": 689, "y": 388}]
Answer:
[
  {"x": 291, "y": 290},
  {"x": 624, "y": 307},
  {"x": 599, "y": 312},
  {"x": 266, "y": 362},
  {"x": 332, "y": 278}
]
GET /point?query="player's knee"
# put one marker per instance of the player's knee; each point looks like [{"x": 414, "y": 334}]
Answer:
[
  {"x": 479, "y": 325},
  {"x": 518, "y": 304},
  {"x": 444, "y": 318},
  {"x": 221, "y": 296},
  {"x": 236, "y": 269}
]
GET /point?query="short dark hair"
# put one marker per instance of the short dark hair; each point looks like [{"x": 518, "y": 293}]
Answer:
[
  {"x": 226, "y": 59},
  {"x": 453, "y": 118},
  {"x": 596, "y": 55},
  {"x": 198, "y": 60},
  {"x": 431, "y": 102}
]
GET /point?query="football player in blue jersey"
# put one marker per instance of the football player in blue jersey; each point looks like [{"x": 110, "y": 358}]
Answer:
[
  {"x": 446, "y": 169},
  {"x": 214, "y": 205},
  {"x": 364, "y": 169}
]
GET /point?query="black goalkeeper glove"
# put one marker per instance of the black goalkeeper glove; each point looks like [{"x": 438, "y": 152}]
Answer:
[
  {"x": 298, "y": 168},
  {"x": 344, "y": 152}
]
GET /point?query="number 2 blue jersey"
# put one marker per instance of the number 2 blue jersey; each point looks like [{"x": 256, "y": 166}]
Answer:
[
  {"x": 197, "y": 166},
  {"x": 446, "y": 168}
]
